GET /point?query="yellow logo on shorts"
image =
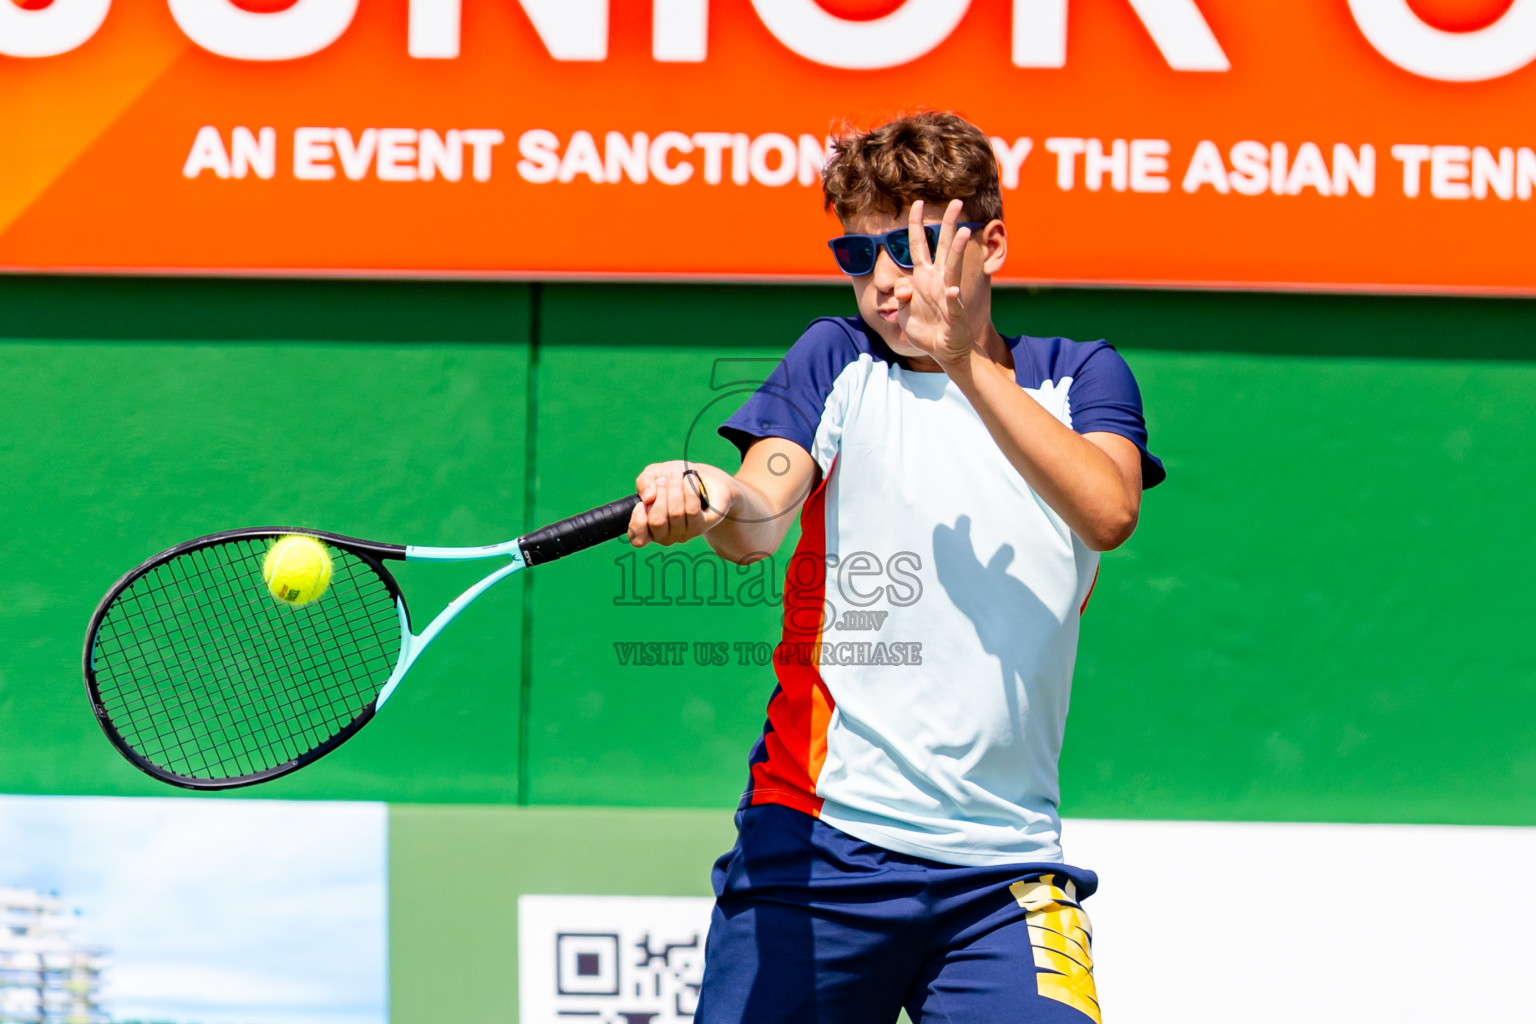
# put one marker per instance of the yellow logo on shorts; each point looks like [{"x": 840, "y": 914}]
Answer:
[{"x": 1062, "y": 937}]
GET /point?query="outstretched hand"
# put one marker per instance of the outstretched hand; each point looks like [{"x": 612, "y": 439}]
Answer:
[{"x": 931, "y": 313}]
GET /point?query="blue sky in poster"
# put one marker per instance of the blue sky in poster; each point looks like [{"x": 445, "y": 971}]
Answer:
[{"x": 216, "y": 911}]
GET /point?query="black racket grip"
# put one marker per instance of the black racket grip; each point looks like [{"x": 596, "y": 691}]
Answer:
[
  {"x": 590, "y": 528},
  {"x": 579, "y": 532}
]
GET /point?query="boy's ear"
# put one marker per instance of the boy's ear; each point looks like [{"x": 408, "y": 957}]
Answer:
[{"x": 994, "y": 243}]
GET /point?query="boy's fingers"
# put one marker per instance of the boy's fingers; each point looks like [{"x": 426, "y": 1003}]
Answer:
[
  {"x": 677, "y": 508},
  {"x": 645, "y": 483},
  {"x": 639, "y": 533},
  {"x": 916, "y": 243},
  {"x": 946, "y": 235},
  {"x": 671, "y": 509},
  {"x": 665, "y": 511},
  {"x": 693, "y": 509},
  {"x": 956, "y": 255},
  {"x": 656, "y": 514}
]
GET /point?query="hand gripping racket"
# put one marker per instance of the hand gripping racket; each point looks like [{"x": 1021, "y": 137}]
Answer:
[{"x": 201, "y": 679}]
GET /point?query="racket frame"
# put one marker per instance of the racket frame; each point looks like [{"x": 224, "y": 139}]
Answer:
[
  {"x": 557, "y": 540},
  {"x": 373, "y": 554},
  {"x": 370, "y": 552}
]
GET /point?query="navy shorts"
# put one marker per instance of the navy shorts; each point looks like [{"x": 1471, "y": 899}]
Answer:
[{"x": 812, "y": 926}]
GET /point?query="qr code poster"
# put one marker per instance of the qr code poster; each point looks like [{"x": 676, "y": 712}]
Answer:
[{"x": 610, "y": 959}]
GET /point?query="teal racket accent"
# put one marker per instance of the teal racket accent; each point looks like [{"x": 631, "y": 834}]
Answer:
[{"x": 412, "y": 644}]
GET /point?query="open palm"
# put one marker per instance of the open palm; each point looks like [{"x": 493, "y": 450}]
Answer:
[{"x": 931, "y": 314}]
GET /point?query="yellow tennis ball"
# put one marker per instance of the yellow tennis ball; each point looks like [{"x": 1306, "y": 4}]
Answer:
[{"x": 297, "y": 569}]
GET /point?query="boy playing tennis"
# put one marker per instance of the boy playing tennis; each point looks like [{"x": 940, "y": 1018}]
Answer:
[{"x": 898, "y": 843}]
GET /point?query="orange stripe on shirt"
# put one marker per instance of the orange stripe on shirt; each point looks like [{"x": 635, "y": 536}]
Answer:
[{"x": 800, "y": 713}]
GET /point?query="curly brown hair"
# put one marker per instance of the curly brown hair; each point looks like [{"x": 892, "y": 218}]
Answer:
[{"x": 931, "y": 155}]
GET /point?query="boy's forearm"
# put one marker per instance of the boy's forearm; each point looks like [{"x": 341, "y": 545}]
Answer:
[
  {"x": 752, "y": 530},
  {"x": 1077, "y": 478}
]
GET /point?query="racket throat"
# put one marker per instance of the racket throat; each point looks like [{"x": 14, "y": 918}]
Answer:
[{"x": 412, "y": 644}]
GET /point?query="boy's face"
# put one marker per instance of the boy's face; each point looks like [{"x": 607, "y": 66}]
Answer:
[{"x": 876, "y": 292}]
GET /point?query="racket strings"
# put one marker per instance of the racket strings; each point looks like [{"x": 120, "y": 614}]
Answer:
[
  {"x": 242, "y": 741},
  {"x": 208, "y": 677}
]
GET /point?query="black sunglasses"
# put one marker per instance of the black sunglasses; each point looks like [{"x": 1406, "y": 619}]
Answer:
[{"x": 856, "y": 254}]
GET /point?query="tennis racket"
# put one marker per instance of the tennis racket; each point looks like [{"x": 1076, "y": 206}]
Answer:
[{"x": 203, "y": 680}]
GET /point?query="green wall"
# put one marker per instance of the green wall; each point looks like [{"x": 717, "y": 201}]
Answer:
[
  {"x": 1322, "y": 616},
  {"x": 138, "y": 414}
]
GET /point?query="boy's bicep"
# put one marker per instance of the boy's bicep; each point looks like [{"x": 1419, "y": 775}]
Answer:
[{"x": 1126, "y": 456}]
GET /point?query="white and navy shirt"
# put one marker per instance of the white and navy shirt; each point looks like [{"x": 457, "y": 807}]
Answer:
[{"x": 931, "y": 608}]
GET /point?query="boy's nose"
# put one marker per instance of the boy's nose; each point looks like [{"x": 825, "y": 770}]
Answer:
[{"x": 887, "y": 273}]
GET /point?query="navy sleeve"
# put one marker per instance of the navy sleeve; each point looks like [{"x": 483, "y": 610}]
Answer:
[
  {"x": 1104, "y": 397},
  {"x": 791, "y": 403}
]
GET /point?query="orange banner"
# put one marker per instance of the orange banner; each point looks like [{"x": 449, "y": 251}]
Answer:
[{"x": 1337, "y": 144}]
